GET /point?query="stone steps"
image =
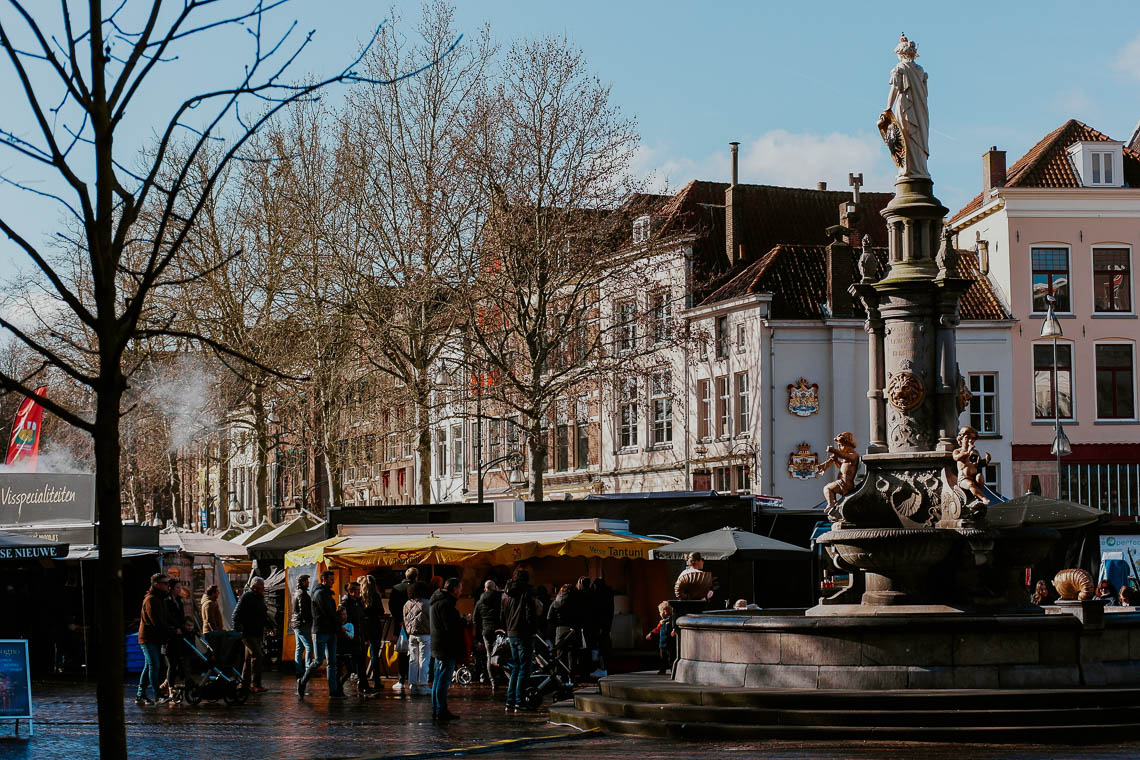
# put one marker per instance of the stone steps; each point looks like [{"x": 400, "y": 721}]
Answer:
[
  {"x": 654, "y": 706},
  {"x": 1079, "y": 734},
  {"x": 618, "y": 708}
]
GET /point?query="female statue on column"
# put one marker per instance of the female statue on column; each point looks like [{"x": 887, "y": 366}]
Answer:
[{"x": 906, "y": 129}]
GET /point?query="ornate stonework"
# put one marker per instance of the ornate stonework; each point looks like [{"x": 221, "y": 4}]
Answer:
[
  {"x": 905, "y": 391},
  {"x": 803, "y": 398},
  {"x": 964, "y": 395}
]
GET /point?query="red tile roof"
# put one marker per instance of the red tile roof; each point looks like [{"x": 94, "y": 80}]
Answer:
[
  {"x": 1047, "y": 164},
  {"x": 796, "y": 276}
]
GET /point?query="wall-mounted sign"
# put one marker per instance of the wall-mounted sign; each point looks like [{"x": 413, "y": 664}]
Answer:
[
  {"x": 803, "y": 462},
  {"x": 41, "y": 499},
  {"x": 803, "y": 398}
]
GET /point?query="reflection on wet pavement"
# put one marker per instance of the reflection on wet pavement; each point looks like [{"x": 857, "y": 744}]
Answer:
[{"x": 276, "y": 726}]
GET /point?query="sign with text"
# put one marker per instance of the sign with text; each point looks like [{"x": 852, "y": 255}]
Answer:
[
  {"x": 15, "y": 680},
  {"x": 42, "y": 499}
]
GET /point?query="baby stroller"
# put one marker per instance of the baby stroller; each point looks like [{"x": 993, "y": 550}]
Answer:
[
  {"x": 549, "y": 676},
  {"x": 476, "y": 670},
  {"x": 215, "y": 674}
]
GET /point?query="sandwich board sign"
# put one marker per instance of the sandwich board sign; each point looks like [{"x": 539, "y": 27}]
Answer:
[{"x": 15, "y": 683}]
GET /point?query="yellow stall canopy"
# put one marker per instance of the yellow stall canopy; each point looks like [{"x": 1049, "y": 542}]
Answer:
[{"x": 366, "y": 546}]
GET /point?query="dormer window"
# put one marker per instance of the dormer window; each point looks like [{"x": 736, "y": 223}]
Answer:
[
  {"x": 1098, "y": 164},
  {"x": 641, "y": 230}
]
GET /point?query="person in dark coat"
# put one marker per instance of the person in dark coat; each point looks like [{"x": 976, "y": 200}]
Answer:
[
  {"x": 354, "y": 606},
  {"x": 488, "y": 620},
  {"x": 568, "y": 617},
  {"x": 301, "y": 623},
  {"x": 251, "y": 617},
  {"x": 519, "y": 612},
  {"x": 447, "y": 645},
  {"x": 155, "y": 629},
  {"x": 396, "y": 601},
  {"x": 326, "y": 626},
  {"x": 372, "y": 637}
]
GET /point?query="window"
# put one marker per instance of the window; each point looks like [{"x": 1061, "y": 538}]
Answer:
[
  {"x": 456, "y": 449},
  {"x": 582, "y": 449},
  {"x": 743, "y": 477},
  {"x": 722, "y": 479},
  {"x": 983, "y": 404},
  {"x": 1112, "y": 287},
  {"x": 722, "y": 337},
  {"x": 742, "y": 407},
  {"x": 661, "y": 402},
  {"x": 628, "y": 415},
  {"x": 661, "y": 314},
  {"x": 1102, "y": 168},
  {"x": 740, "y": 337},
  {"x": 1043, "y": 389},
  {"x": 991, "y": 477},
  {"x": 641, "y": 230},
  {"x": 627, "y": 326},
  {"x": 704, "y": 409},
  {"x": 562, "y": 448},
  {"x": 1050, "y": 278},
  {"x": 723, "y": 407},
  {"x": 1114, "y": 399},
  {"x": 441, "y": 453},
  {"x": 495, "y": 438}
]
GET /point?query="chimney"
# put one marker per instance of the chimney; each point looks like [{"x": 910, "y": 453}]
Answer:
[
  {"x": 840, "y": 275},
  {"x": 982, "y": 248},
  {"x": 733, "y": 247},
  {"x": 993, "y": 169},
  {"x": 820, "y": 185}
]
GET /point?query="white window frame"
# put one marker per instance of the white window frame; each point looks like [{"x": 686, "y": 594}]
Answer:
[
  {"x": 723, "y": 386},
  {"x": 628, "y": 424},
  {"x": 743, "y": 402},
  {"x": 456, "y": 449},
  {"x": 627, "y": 326},
  {"x": 1092, "y": 279},
  {"x": 661, "y": 408},
  {"x": 1087, "y": 157},
  {"x": 642, "y": 226},
  {"x": 1072, "y": 379},
  {"x": 741, "y": 336},
  {"x": 661, "y": 317},
  {"x": 722, "y": 476},
  {"x": 441, "y": 452},
  {"x": 721, "y": 338},
  {"x": 704, "y": 409},
  {"x": 981, "y": 394},
  {"x": 1096, "y": 409},
  {"x": 994, "y": 484}
]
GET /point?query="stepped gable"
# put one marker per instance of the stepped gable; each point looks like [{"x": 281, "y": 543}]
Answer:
[
  {"x": 1047, "y": 164},
  {"x": 796, "y": 276}
]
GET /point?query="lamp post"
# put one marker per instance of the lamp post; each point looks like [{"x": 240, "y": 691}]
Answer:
[
  {"x": 514, "y": 478},
  {"x": 1051, "y": 328}
]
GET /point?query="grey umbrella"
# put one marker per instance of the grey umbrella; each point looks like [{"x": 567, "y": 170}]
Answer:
[
  {"x": 1036, "y": 511},
  {"x": 731, "y": 543}
]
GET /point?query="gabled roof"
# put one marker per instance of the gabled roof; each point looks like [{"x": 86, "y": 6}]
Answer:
[
  {"x": 796, "y": 276},
  {"x": 1047, "y": 164}
]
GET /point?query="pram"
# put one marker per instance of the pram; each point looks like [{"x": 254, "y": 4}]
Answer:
[
  {"x": 476, "y": 670},
  {"x": 549, "y": 675},
  {"x": 214, "y": 675}
]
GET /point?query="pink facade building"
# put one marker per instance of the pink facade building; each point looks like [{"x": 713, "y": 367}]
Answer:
[{"x": 1064, "y": 221}]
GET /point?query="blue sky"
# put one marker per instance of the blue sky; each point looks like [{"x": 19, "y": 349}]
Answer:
[{"x": 798, "y": 84}]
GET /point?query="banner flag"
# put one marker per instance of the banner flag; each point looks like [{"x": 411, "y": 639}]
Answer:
[{"x": 24, "y": 446}]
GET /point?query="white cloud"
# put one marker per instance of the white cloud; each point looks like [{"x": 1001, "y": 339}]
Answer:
[
  {"x": 1128, "y": 59},
  {"x": 778, "y": 157}
]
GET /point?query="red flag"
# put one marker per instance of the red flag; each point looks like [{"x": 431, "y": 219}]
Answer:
[{"x": 24, "y": 447}]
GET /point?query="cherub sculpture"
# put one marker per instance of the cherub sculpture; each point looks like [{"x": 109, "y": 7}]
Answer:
[
  {"x": 970, "y": 463},
  {"x": 844, "y": 456}
]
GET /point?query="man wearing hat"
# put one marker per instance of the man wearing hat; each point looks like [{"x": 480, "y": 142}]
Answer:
[{"x": 155, "y": 628}]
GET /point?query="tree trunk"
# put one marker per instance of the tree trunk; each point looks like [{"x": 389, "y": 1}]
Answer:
[
  {"x": 109, "y": 611},
  {"x": 174, "y": 486},
  {"x": 261, "y": 434},
  {"x": 423, "y": 439},
  {"x": 223, "y": 481},
  {"x": 335, "y": 492},
  {"x": 537, "y": 446}
]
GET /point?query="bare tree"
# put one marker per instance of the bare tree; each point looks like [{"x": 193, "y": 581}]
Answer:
[
  {"x": 553, "y": 154},
  {"x": 416, "y": 209},
  {"x": 79, "y": 81}
]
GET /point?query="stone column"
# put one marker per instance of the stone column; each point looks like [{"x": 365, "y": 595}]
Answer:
[{"x": 878, "y": 410}]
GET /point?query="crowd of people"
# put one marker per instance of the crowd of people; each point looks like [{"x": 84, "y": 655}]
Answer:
[{"x": 1126, "y": 596}]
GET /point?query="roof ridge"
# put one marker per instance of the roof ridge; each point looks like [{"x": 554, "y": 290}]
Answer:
[{"x": 1040, "y": 150}]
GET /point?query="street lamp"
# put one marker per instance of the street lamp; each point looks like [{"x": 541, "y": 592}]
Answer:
[
  {"x": 514, "y": 478},
  {"x": 1051, "y": 328}
]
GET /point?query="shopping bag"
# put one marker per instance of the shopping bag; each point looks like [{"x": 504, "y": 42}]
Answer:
[
  {"x": 402, "y": 642},
  {"x": 389, "y": 654}
]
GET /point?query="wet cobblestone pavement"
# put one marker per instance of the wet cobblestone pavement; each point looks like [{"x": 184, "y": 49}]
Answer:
[{"x": 276, "y": 726}]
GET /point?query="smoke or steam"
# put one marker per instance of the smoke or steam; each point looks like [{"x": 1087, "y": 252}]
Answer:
[
  {"x": 51, "y": 462},
  {"x": 182, "y": 394}
]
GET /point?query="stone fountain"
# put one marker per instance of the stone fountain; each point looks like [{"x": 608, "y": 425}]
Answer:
[{"x": 935, "y": 638}]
